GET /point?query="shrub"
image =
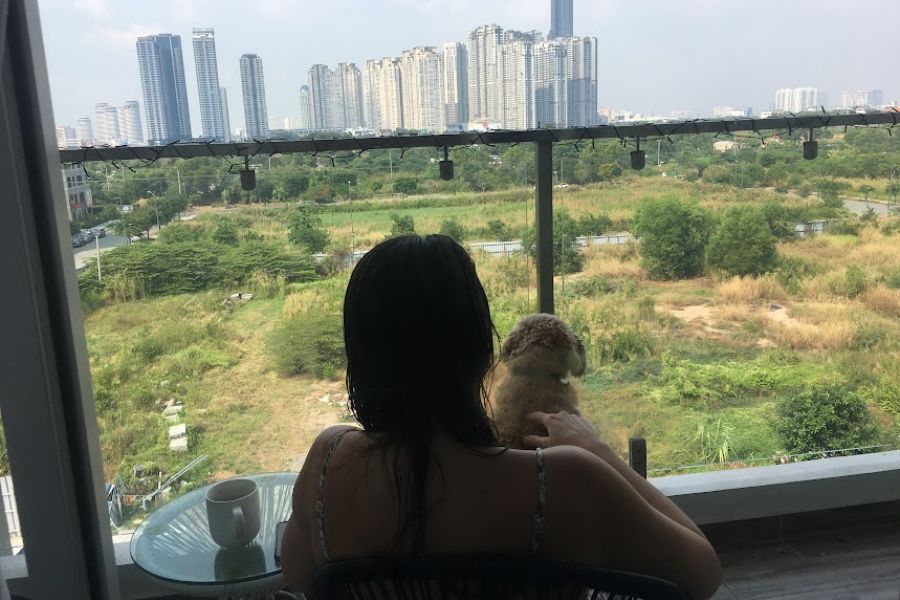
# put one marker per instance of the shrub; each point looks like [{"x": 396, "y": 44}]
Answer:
[
  {"x": 499, "y": 230},
  {"x": 311, "y": 343},
  {"x": 402, "y": 225},
  {"x": 828, "y": 417},
  {"x": 593, "y": 225},
  {"x": 567, "y": 254},
  {"x": 893, "y": 280},
  {"x": 855, "y": 282},
  {"x": 305, "y": 229},
  {"x": 225, "y": 232},
  {"x": 743, "y": 244},
  {"x": 405, "y": 185},
  {"x": 791, "y": 272},
  {"x": 453, "y": 229},
  {"x": 673, "y": 237}
]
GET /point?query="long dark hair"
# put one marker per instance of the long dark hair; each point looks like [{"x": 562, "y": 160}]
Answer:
[{"x": 419, "y": 340}]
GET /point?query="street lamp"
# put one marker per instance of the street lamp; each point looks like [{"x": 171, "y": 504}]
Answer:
[
  {"x": 352, "y": 240},
  {"x": 155, "y": 209}
]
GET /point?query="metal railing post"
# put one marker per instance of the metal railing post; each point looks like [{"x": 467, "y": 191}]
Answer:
[{"x": 543, "y": 223}]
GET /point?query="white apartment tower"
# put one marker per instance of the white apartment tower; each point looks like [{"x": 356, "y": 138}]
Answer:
[
  {"x": 305, "y": 108},
  {"x": 107, "y": 119},
  {"x": 516, "y": 83},
  {"x": 455, "y": 84},
  {"x": 390, "y": 95},
  {"x": 372, "y": 94},
  {"x": 862, "y": 99},
  {"x": 130, "y": 123},
  {"x": 253, "y": 88},
  {"x": 581, "y": 78},
  {"x": 208, "y": 88},
  {"x": 798, "y": 99},
  {"x": 550, "y": 84},
  {"x": 320, "y": 84},
  {"x": 423, "y": 104},
  {"x": 66, "y": 137},
  {"x": 483, "y": 48},
  {"x": 349, "y": 92},
  {"x": 84, "y": 131},
  {"x": 226, "y": 116}
]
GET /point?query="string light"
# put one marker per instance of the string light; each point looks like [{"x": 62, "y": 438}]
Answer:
[
  {"x": 810, "y": 147},
  {"x": 446, "y": 166},
  {"x": 638, "y": 156}
]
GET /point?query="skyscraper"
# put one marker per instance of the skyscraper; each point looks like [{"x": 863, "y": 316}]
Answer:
[
  {"x": 550, "y": 84},
  {"x": 483, "y": 47},
  {"x": 253, "y": 88},
  {"x": 371, "y": 77},
  {"x": 130, "y": 123},
  {"x": 798, "y": 99},
  {"x": 581, "y": 79},
  {"x": 516, "y": 82},
  {"x": 562, "y": 16},
  {"x": 348, "y": 96},
  {"x": 66, "y": 137},
  {"x": 226, "y": 116},
  {"x": 390, "y": 95},
  {"x": 305, "y": 108},
  {"x": 320, "y": 85},
  {"x": 206, "y": 65},
  {"x": 107, "y": 119},
  {"x": 455, "y": 84},
  {"x": 165, "y": 94},
  {"x": 421, "y": 76},
  {"x": 84, "y": 131}
]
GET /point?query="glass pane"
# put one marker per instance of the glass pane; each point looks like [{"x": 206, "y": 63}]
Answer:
[
  {"x": 10, "y": 529},
  {"x": 755, "y": 320}
]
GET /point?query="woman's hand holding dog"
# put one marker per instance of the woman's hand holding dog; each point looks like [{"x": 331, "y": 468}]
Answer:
[{"x": 564, "y": 429}]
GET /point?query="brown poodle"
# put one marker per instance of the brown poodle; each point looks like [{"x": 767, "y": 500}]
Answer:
[{"x": 537, "y": 357}]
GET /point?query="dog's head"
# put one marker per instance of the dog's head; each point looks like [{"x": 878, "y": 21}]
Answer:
[{"x": 550, "y": 336}]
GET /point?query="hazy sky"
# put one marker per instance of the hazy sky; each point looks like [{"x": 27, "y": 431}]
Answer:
[{"x": 655, "y": 55}]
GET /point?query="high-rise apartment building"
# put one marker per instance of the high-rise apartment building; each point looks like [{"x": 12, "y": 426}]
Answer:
[
  {"x": 66, "y": 137},
  {"x": 390, "y": 95},
  {"x": 421, "y": 76},
  {"x": 106, "y": 118},
  {"x": 862, "y": 99},
  {"x": 254, "y": 92},
  {"x": 725, "y": 112},
  {"x": 320, "y": 84},
  {"x": 226, "y": 116},
  {"x": 581, "y": 79},
  {"x": 84, "y": 131},
  {"x": 562, "y": 18},
  {"x": 208, "y": 88},
  {"x": 349, "y": 96},
  {"x": 130, "y": 123},
  {"x": 483, "y": 48},
  {"x": 305, "y": 109},
  {"x": 516, "y": 75},
  {"x": 798, "y": 99},
  {"x": 371, "y": 77},
  {"x": 161, "y": 67},
  {"x": 455, "y": 84},
  {"x": 550, "y": 84}
]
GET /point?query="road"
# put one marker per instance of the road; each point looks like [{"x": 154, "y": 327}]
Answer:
[
  {"x": 859, "y": 206},
  {"x": 89, "y": 250}
]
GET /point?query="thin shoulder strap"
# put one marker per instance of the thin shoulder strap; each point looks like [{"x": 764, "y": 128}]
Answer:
[
  {"x": 537, "y": 535},
  {"x": 320, "y": 500}
]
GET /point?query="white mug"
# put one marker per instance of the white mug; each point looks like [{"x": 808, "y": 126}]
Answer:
[{"x": 232, "y": 509}]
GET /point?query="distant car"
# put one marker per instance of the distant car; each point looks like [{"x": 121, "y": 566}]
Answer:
[
  {"x": 88, "y": 235},
  {"x": 99, "y": 232},
  {"x": 79, "y": 240}
]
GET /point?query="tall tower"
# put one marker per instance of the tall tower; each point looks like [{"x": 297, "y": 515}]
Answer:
[
  {"x": 550, "y": 84},
  {"x": 84, "y": 131},
  {"x": 562, "y": 16},
  {"x": 107, "y": 119},
  {"x": 226, "y": 116},
  {"x": 372, "y": 74},
  {"x": 348, "y": 81},
  {"x": 517, "y": 84},
  {"x": 455, "y": 84},
  {"x": 253, "y": 87},
  {"x": 305, "y": 108},
  {"x": 130, "y": 123},
  {"x": 165, "y": 94},
  {"x": 206, "y": 65},
  {"x": 483, "y": 49},
  {"x": 390, "y": 95},
  {"x": 581, "y": 77},
  {"x": 320, "y": 84}
]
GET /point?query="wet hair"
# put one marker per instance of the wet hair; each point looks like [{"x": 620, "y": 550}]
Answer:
[{"x": 420, "y": 342}]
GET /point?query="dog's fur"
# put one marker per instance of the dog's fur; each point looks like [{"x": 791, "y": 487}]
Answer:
[{"x": 536, "y": 360}]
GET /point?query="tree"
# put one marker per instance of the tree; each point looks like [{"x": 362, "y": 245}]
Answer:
[
  {"x": 405, "y": 185},
  {"x": 499, "y": 230},
  {"x": 743, "y": 244},
  {"x": 779, "y": 219},
  {"x": 225, "y": 232},
  {"x": 673, "y": 237},
  {"x": 402, "y": 225},
  {"x": 831, "y": 417},
  {"x": 567, "y": 255},
  {"x": 865, "y": 190},
  {"x": 830, "y": 193},
  {"x": 453, "y": 229},
  {"x": 305, "y": 229},
  {"x": 893, "y": 188}
]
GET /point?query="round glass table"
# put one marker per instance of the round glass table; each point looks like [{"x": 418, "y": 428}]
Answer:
[{"x": 173, "y": 545}]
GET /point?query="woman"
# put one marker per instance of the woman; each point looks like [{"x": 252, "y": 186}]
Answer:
[{"x": 426, "y": 474}]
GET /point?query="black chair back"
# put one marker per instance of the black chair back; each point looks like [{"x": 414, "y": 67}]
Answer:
[{"x": 480, "y": 577}]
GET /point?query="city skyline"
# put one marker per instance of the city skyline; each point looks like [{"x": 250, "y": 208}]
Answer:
[{"x": 699, "y": 91}]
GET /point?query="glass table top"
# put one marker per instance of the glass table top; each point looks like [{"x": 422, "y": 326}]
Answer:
[{"x": 173, "y": 543}]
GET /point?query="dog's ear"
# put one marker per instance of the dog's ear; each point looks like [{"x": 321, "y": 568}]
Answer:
[
  {"x": 510, "y": 345},
  {"x": 577, "y": 360}
]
